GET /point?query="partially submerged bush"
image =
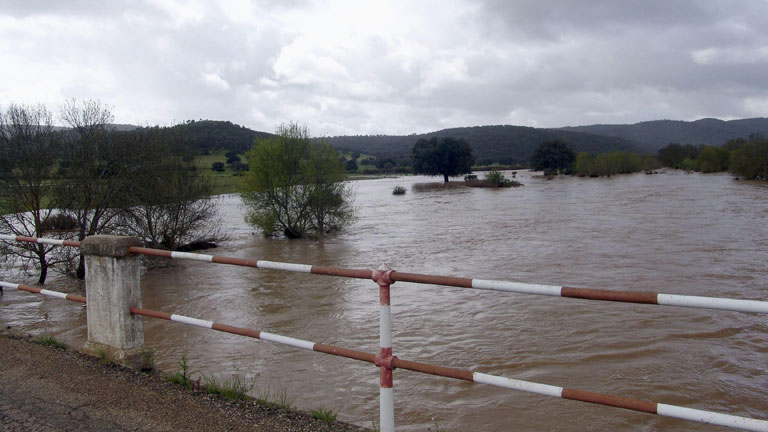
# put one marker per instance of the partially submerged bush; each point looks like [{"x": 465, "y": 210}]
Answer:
[
  {"x": 398, "y": 190},
  {"x": 493, "y": 179}
]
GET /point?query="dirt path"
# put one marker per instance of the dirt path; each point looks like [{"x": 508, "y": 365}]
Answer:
[{"x": 48, "y": 389}]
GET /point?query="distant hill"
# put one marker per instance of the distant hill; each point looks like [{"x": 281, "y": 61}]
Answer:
[
  {"x": 500, "y": 144},
  {"x": 490, "y": 144},
  {"x": 652, "y": 135},
  {"x": 212, "y": 135}
]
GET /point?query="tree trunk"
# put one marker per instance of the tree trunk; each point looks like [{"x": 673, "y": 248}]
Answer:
[
  {"x": 81, "y": 267},
  {"x": 43, "y": 273},
  {"x": 445, "y": 177}
]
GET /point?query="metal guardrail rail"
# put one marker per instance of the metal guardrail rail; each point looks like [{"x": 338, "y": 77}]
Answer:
[{"x": 386, "y": 362}]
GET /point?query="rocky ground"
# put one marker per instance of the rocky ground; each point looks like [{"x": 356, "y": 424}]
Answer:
[{"x": 43, "y": 388}]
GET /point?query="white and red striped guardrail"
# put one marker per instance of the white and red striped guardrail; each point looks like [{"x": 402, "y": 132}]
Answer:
[
  {"x": 387, "y": 362},
  {"x": 461, "y": 374},
  {"x": 645, "y": 297}
]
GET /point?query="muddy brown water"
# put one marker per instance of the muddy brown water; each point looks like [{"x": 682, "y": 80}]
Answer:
[{"x": 673, "y": 232}]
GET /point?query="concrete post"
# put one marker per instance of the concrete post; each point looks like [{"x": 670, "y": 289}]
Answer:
[{"x": 112, "y": 286}]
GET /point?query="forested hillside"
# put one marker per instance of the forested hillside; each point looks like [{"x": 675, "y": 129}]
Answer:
[
  {"x": 502, "y": 144},
  {"x": 650, "y": 136},
  {"x": 211, "y": 135},
  {"x": 490, "y": 144}
]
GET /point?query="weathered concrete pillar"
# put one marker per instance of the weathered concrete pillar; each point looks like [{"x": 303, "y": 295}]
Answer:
[{"x": 112, "y": 287}]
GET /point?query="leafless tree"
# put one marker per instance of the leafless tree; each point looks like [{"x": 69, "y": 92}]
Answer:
[
  {"x": 172, "y": 207},
  {"x": 96, "y": 170},
  {"x": 28, "y": 163}
]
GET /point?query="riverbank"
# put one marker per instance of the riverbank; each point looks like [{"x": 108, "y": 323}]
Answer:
[{"x": 53, "y": 389}]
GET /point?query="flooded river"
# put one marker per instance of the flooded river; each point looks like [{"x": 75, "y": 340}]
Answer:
[{"x": 674, "y": 233}]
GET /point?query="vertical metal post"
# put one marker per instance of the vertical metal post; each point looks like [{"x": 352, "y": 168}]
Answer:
[{"x": 384, "y": 359}]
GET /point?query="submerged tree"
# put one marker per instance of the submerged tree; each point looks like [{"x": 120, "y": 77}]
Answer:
[
  {"x": 141, "y": 182},
  {"x": 28, "y": 162},
  {"x": 750, "y": 159},
  {"x": 295, "y": 186},
  {"x": 169, "y": 205},
  {"x": 96, "y": 169},
  {"x": 442, "y": 156},
  {"x": 553, "y": 157}
]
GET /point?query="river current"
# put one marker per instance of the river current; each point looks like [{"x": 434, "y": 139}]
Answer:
[{"x": 674, "y": 233}]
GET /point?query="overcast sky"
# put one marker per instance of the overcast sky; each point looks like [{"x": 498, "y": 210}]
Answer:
[{"x": 392, "y": 67}]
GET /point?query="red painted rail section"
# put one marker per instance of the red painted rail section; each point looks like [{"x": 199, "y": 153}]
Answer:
[
  {"x": 461, "y": 374},
  {"x": 646, "y": 297}
]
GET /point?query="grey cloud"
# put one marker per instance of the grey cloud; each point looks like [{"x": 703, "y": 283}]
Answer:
[{"x": 520, "y": 62}]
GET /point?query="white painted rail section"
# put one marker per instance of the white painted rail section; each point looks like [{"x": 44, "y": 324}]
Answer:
[
  {"x": 273, "y": 265},
  {"x": 285, "y": 340},
  {"x": 192, "y": 256},
  {"x": 713, "y": 303},
  {"x": 9, "y": 285},
  {"x": 192, "y": 321},
  {"x": 54, "y": 242},
  {"x": 714, "y": 418},
  {"x": 515, "y": 384}
]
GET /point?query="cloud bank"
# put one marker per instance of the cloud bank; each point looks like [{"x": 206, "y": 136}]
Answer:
[{"x": 365, "y": 67}]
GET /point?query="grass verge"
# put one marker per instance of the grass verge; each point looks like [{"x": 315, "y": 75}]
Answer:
[
  {"x": 235, "y": 387},
  {"x": 181, "y": 377},
  {"x": 278, "y": 397},
  {"x": 323, "y": 414},
  {"x": 50, "y": 340}
]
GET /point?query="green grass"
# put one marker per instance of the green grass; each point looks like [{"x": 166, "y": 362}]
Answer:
[
  {"x": 278, "y": 397},
  {"x": 235, "y": 387},
  {"x": 103, "y": 357},
  {"x": 49, "y": 340},
  {"x": 205, "y": 161},
  {"x": 323, "y": 414},
  {"x": 181, "y": 377},
  {"x": 224, "y": 182}
]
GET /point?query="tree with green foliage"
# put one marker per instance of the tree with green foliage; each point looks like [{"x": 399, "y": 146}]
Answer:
[
  {"x": 351, "y": 165},
  {"x": 607, "y": 164},
  {"x": 442, "y": 156},
  {"x": 295, "y": 186},
  {"x": 750, "y": 160},
  {"x": 674, "y": 154},
  {"x": 713, "y": 159},
  {"x": 553, "y": 157}
]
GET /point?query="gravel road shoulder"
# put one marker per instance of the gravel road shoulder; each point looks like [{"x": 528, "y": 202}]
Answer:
[{"x": 48, "y": 389}]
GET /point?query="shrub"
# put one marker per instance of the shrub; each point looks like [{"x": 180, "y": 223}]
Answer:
[
  {"x": 492, "y": 179},
  {"x": 607, "y": 164},
  {"x": 234, "y": 388},
  {"x": 496, "y": 178},
  {"x": 398, "y": 190},
  {"x": 713, "y": 159},
  {"x": 50, "y": 340},
  {"x": 323, "y": 414},
  {"x": 751, "y": 159},
  {"x": 182, "y": 377}
]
